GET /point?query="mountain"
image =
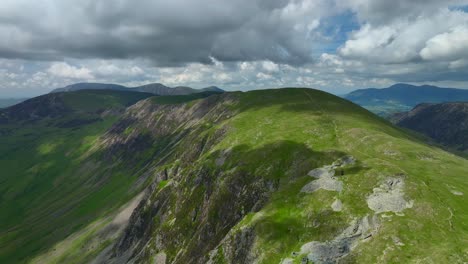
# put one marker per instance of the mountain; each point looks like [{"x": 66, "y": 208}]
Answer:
[
  {"x": 267, "y": 176},
  {"x": 160, "y": 89},
  {"x": 212, "y": 89},
  {"x": 60, "y": 105},
  {"x": 446, "y": 123},
  {"x": 90, "y": 86},
  {"x": 154, "y": 88},
  {"x": 403, "y": 97},
  {"x": 6, "y": 102}
]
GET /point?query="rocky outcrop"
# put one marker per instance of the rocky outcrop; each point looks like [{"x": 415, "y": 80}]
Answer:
[
  {"x": 194, "y": 212},
  {"x": 325, "y": 176},
  {"x": 331, "y": 251},
  {"x": 236, "y": 247},
  {"x": 389, "y": 197},
  {"x": 337, "y": 205}
]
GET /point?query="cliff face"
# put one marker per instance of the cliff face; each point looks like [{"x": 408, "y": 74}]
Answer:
[
  {"x": 446, "y": 123},
  {"x": 193, "y": 200}
]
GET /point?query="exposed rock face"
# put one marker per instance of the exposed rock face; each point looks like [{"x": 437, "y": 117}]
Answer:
[
  {"x": 236, "y": 247},
  {"x": 446, "y": 123},
  {"x": 160, "y": 258},
  {"x": 325, "y": 181},
  {"x": 146, "y": 124},
  {"x": 331, "y": 251},
  {"x": 360, "y": 229},
  {"x": 389, "y": 197},
  {"x": 199, "y": 206},
  {"x": 325, "y": 176}
]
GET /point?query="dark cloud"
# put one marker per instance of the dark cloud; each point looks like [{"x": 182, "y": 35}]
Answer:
[
  {"x": 168, "y": 32},
  {"x": 236, "y": 44}
]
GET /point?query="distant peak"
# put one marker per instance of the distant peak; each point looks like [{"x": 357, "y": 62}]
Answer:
[{"x": 154, "y": 88}]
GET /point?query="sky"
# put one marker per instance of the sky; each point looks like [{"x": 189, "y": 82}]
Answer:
[{"x": 334, "y": 45}]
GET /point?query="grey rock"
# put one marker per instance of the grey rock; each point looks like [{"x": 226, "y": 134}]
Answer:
[
  {"x": 287, "y": 261},
  {"x": 389, "y": 197},
  {"x": 331, "y": 251},
  {"x": 337, "y": 206}
]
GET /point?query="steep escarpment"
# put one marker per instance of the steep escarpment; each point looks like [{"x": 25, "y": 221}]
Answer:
[{"x": 446, "y": 123}]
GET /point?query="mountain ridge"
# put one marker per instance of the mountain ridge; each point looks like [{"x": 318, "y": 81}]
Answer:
[
  {"x": 403, "y": 97},
  {"x": 270, "y": 176},
  {"x": 154, "y": 88}
]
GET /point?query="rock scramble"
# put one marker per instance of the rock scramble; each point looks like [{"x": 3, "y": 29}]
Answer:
[
  {"x": 326, "y": 176},
  {"x": 332, "y": 251},
  {"x": 389, "y": 197}
]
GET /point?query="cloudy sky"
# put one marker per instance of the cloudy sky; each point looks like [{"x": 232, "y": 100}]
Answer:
[{"x": 334, "y": 45}]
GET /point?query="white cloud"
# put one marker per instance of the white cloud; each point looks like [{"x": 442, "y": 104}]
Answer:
[
  {"x": 245, "y": 44},
  {"x": 270, "y": 66},
  {"x": 63, "y": 69},
  {"x": 264, "y": 76},
  {"x": 462, "y": 63},
  {"x": 110, "y": 69},
  {"x": 452, "y": 45},
  {"x": 408, "y": 39}
]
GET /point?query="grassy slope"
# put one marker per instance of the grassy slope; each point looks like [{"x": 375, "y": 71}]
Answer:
[
  {"x": 325, "y": 123},
  {"x": 281, "y": 135},
  {"x": 52, "y": 182}
]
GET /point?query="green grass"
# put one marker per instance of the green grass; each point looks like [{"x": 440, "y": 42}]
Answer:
[
  {"x": 179, "y": 99},
  {"x": 53, "y": 182},
  {"x": 93, "y": 100},
  {"x": 281, "y": 134},
  {"x": 323, "y": 123},
  {"x": 272, "y": 138}
]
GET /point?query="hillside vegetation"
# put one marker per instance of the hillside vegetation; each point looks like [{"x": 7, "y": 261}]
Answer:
[
  {"x": 446, "y": 123},
  {"x": 271, "y": 176}
]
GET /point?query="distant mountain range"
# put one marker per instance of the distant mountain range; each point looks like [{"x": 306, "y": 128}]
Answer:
[
  {"x": 403, "y": 97},
  {"x": 446, "y": 123},
  {"x": 154, "y": 88}
]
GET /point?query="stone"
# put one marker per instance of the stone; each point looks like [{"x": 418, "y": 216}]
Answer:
[
  {"x": 389, "y": 197},
  {"x": 331, "y": 251},
  {"x": 337, "y": 206}
]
